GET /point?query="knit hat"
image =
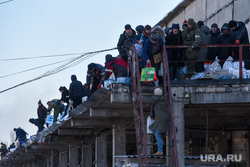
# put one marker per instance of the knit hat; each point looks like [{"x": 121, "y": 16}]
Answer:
[
  {"x": 139, "y": 28},
  {"x": 214, "y": 25},
  {"x": 200, "y": 23},
  {"x": 225, "y": 26},
  {"x": 175, "y": 26},
  {"x": 184, "y": 25},
  {"x": 108, "y": 56},
  {"x": 127, "y": 27},
  {"x": 39, "y": 102},
  {"x": 232, "y": 23},
  {"x": 148, "y": 27},
  {"x": 91, "y": 66},
  {"x": 154, "y": 36},
  {"x": 190, "y": 21}
]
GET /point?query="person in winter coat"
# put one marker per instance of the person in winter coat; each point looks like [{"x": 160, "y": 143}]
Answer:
[
  {"x": 64, "y": 96},
  {"x": 215, "y": 32},
  {"x": 42, "y": 114},
  {"x": 161, "y": 124},
  {"x": 175, "y": 55},
  {"x": 240, "y": 34},
  {"x": 3, "y": 150},
  {"x": 146, "y": 33},
  {"x": 138, "y": 41},
  {"x": 125, "y": 41},
  {"x": 11, "y": 146},
  {"x": 115, "y": 65},
  {"x": 205, "y": 40},
  {"x": 160, "y": 31},
  {"x": 20, "y": 135},
  {"x": 184, "y": 24},
  {"x": 225, "y": 38},
  {"x": 191, "y": 36},
  {"x": 57, "y": 106},
  {"x": 95, "y": 72},
  {"x": 75, "y": 91},
  {"x": 153, "y": 46}
]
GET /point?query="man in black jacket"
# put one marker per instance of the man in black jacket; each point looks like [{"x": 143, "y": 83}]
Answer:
[
  {"x": 75, "y": 91},
  {"x": 95, "y": 72},
  {"x": 125, "y": 41},
  {"x": 42, "y": 114},
  {"x": 20, "y": 135},
  {"x": 240, "y": 34}
]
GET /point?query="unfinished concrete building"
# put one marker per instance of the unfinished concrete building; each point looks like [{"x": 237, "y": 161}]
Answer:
[{"x": 210, "y": 116}]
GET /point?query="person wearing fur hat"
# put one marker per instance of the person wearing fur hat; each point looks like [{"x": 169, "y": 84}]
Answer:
[
  {"x": 153, "y": 46},
  {"x": 160, "y": 31},
  {"x": 175, "y": 55},
  {"x": 240, "y": 34},
  {"x": 191, "y": 36},
  {"x": 125, "y": 41},
  {"x": 95, "y": 72}
]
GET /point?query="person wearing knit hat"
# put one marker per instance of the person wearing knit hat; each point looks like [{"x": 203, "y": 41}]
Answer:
[
  {"x": 214, "y": 25},
  {"x": 125, "y": 41},
  {"x": 200, "y": 23},
  {"x": 240, "y": 34},
  {"x": 184, "y": 25},
  {"x": 215, "y": 32},
  {"x": 191, "y": 36}
]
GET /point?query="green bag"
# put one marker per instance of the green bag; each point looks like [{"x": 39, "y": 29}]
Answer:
[{"x": 148, "y": 74}]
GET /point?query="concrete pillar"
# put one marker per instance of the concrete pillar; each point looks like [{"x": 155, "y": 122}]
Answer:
[
  {"x": 73, "y": 155},
  {"x": 51, "y": 158},
  {"x": 47, "y": 161},
  {"x": 87, "y": 156},
  {"x": 150, "y": 144},
  {"x": 40, "y": 163},
  {"x": 119, "y": 141},
  {"x": 101, "y": 151},
  {"x": 63, "y": 158},
  {"x": 178, "y": 110}
]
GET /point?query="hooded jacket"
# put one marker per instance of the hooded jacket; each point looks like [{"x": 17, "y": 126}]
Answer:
[
  {"x": 41, "y": 113},
  {"x": 75, "y": 88},
  {"x": 240, "y": 33},
  {"x": 205, "y": 40},
  {"x": 65, "y": 93},
  {"x": 21, "y": 134},
  {"x": 116, "y": 65},
  {"x": 97, "y": 74},
  {"x": 125, "y": 41},
  {"x": 160, "y": 31}
]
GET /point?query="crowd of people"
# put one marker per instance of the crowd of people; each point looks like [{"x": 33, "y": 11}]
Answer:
[{"x": 149, "y": 44}]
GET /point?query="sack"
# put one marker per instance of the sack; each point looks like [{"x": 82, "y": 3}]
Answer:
[
  {"x": 148, "y": 74},
  {"x": 228, "y": 63},
  {"x": 215, "y": 65},
  {"x": 138, "y": 48},
  {"x": 158, "y": 58},
  {"x": 149, "y": 122},
  {"x": 49, "y": 120}
]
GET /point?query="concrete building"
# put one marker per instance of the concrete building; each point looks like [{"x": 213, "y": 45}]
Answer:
[{"x": 209, "y": 11}]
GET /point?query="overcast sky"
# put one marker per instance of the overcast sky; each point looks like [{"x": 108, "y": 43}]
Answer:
[{"x": 41, "y": 28}]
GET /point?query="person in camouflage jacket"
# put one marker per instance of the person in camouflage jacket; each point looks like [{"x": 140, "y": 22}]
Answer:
[{"x": 191, "y": 36}]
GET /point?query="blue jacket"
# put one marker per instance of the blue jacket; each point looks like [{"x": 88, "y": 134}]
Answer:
[
  {"x": 147, "y": 51},
  {"x": 21, "y": 134}
]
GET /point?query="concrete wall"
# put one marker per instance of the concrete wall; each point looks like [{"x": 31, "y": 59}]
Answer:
[{"x": 215, "y": 11}]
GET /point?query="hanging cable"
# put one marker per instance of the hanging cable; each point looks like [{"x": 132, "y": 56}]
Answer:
[{"x": 5, "y": 2}]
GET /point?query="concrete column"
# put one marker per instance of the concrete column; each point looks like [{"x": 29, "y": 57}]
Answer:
[
  {"x": 73, "y": 155},
  {"x": 87, "y": 156},
  {"x": 119, "y": 141},
  {"x": 51, "y": 158},
  {"x": 178, "y": 110},
  {"x": 149, "y": 143},
  {"x": 47, "y": 161},
  {"x": 40, "y": 163},
  {"x": 101, "y": 151},
  {"x": 63, "y": 158}
]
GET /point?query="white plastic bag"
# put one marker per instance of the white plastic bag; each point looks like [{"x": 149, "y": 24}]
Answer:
[
  {"x": 138, "y": 48},
  {"x": 150, "y": 121},
  {"x": 215, "y": 65},
  {"x": 228, "y": 63}
]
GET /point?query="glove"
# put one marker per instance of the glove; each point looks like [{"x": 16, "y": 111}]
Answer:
[
  {"x": 237, "y": 42},
  {"x": 99, "y": 86},
  {"x": 190, "y": 49}
]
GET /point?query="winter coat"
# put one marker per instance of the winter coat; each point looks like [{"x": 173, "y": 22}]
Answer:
[
  {"x": 75, "y": 88},
  {"x": 162, "y": 117},
  {"x": 175, "y": 54},
  {"x": 65, "y": 93},
  {"x": 97, "y": 74},
  {"x": 224, "y": 52},
  {"x": 125, "y": 41},
  {"x": 212, "y": 52},
  {"x": 21, "y": 134},
  {"x": 147, "y": 51},
  {"x": 205, "y": 40},
  {"x": 3, "y": 149},
  {"x": 116, "y": 65},
  {"x": 192, "y": 37},
  {"x": 41, "y": 113}
]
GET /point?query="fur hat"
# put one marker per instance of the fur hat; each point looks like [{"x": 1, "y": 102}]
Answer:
[
  {"x": 232, "y": 23},
  {"x": 175, "y": 26},
  {"x": 127, "y": 27},
  {"x": 190, "y": 21},
  {"x": 154, "y": 36}
]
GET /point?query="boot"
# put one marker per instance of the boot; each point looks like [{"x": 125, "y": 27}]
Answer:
[{"x": 158, "y": 153}]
